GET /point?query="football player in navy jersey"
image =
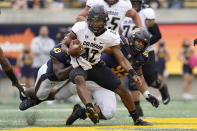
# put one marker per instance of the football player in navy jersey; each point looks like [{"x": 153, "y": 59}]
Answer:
[
  {"x": 133, "y": 49},
  {"x": 53, "y": 79},
  {"x": 150, "y": 74},
  {"x": 54, "y": 72}
]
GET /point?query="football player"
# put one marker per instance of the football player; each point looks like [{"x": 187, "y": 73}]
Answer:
[
  {"x": 117, "y": 10},
  {"x": 95, "y": 38},
  {"x": 134, "y": 50},
  {"x": 53, "y": 76},
  {"x": 147, "y": 16},
  {"x": 9, "y": 72}
]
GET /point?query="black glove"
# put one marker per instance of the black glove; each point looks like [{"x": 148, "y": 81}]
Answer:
[
  {"x": 131, "y": 73},
  {"x": 153, "y": 100},
  {"x": 195, "y": 41}
]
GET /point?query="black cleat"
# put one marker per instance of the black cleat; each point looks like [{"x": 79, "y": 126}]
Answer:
[
  {"x": 91, "y": 113},
  {"x": 22, "y": 96},
  {"x": 139, "y": 110},
  {"x": 140, "y": 122},
  {"x": 78, "y": 112},
  {"x": 165, "y": 94},
  {"x": 27, "y": 103}
]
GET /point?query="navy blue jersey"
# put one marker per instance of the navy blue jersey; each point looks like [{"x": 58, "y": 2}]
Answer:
[
  {"x": 136, "y": 61},
  {"x": 61, "y": 57}
]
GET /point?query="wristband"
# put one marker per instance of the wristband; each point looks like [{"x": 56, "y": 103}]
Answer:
[
  {"x": 146, "y": 94},
  {"x": 132, "y": 72}
]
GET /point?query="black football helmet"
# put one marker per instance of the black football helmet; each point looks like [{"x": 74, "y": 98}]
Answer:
[
  {"x": 137, "y": 4},
  {"x": 97, "y": 18},
  {"x": 140, "y": 34},
  {"x": 111, "y": 2}
]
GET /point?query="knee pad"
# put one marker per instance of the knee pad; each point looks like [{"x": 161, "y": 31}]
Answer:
[
  {"x": 132, "y": 85},
  {"x": 157, "y": 84}
]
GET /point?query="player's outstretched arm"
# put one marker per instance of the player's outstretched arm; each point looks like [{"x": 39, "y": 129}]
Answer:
[
  {"x": 134, "y": 15},
  {"x": 59, "y": 69},
  {"x": 82, "y": 14},
  {"x": 150, "y": 98},
  {"x": 125, "y": 64},
  {"x": 8, "y": 69}
]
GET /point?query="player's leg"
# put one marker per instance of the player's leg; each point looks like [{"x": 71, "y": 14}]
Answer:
[
  {"x": 151, "y": 78},
  {"x": 104, "y": 77},
  {"x": 42, "y": 90},
  {"x": 78, "y": 76},
  {"x": 105, "y": 104},
  {"x": 136, "y": 96}
]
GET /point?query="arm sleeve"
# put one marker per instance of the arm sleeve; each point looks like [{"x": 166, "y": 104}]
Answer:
[{"x": 156, "y": 34}]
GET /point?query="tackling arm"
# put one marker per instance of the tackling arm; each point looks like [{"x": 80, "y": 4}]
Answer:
[
  {"x": 8, "y": 70},
  {"x": 82, "y": 14},
  {"x": 60, "y": 71},
  {"x": 66, "y": 42},
  {"x": 125, "y": 64},
  {"x": 134, "y": 15},
  {"x": 150, "y": 98}
]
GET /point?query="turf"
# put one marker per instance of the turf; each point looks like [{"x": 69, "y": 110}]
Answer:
[{"x": 55, "y": 115}]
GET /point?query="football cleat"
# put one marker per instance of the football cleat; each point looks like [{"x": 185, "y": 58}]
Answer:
[
  {"x": 27, "y": 103},
  {"x": 22, "y": 95},
  {"x": 78, "y": 112},
  {"x": 165, "y": 95},
  {"x": 91, "y": 113},
  {"x": 140, "y": 122}
]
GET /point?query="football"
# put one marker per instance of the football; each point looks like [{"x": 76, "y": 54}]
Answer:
[{"x": 75, "y": 48}]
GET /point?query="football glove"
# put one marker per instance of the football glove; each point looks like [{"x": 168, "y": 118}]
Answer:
[{"x": 153, "y": 100}]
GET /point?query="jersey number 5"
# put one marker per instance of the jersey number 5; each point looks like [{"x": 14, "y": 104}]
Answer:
[{"x": 114, "y": 22}]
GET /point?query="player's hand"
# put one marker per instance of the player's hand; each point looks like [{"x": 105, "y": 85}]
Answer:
[
  {"x": 133, "y": 75},
  {"x": 75, "y": 48},
  {"x": 153, "y": 100},
  {"x": 195, "y": 41},
  {"x": 137, "y": 79}
]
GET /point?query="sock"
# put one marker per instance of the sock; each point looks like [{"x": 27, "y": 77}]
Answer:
[{"x": 134, "y": 115}]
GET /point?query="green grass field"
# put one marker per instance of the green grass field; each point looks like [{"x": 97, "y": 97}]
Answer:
[{"x": 55, "y": 116}]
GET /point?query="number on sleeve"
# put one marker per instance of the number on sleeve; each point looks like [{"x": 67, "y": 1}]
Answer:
[{"x": 57, "y": 50}]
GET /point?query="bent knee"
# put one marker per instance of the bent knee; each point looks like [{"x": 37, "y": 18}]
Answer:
[{"x": 108, "y": 112}]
